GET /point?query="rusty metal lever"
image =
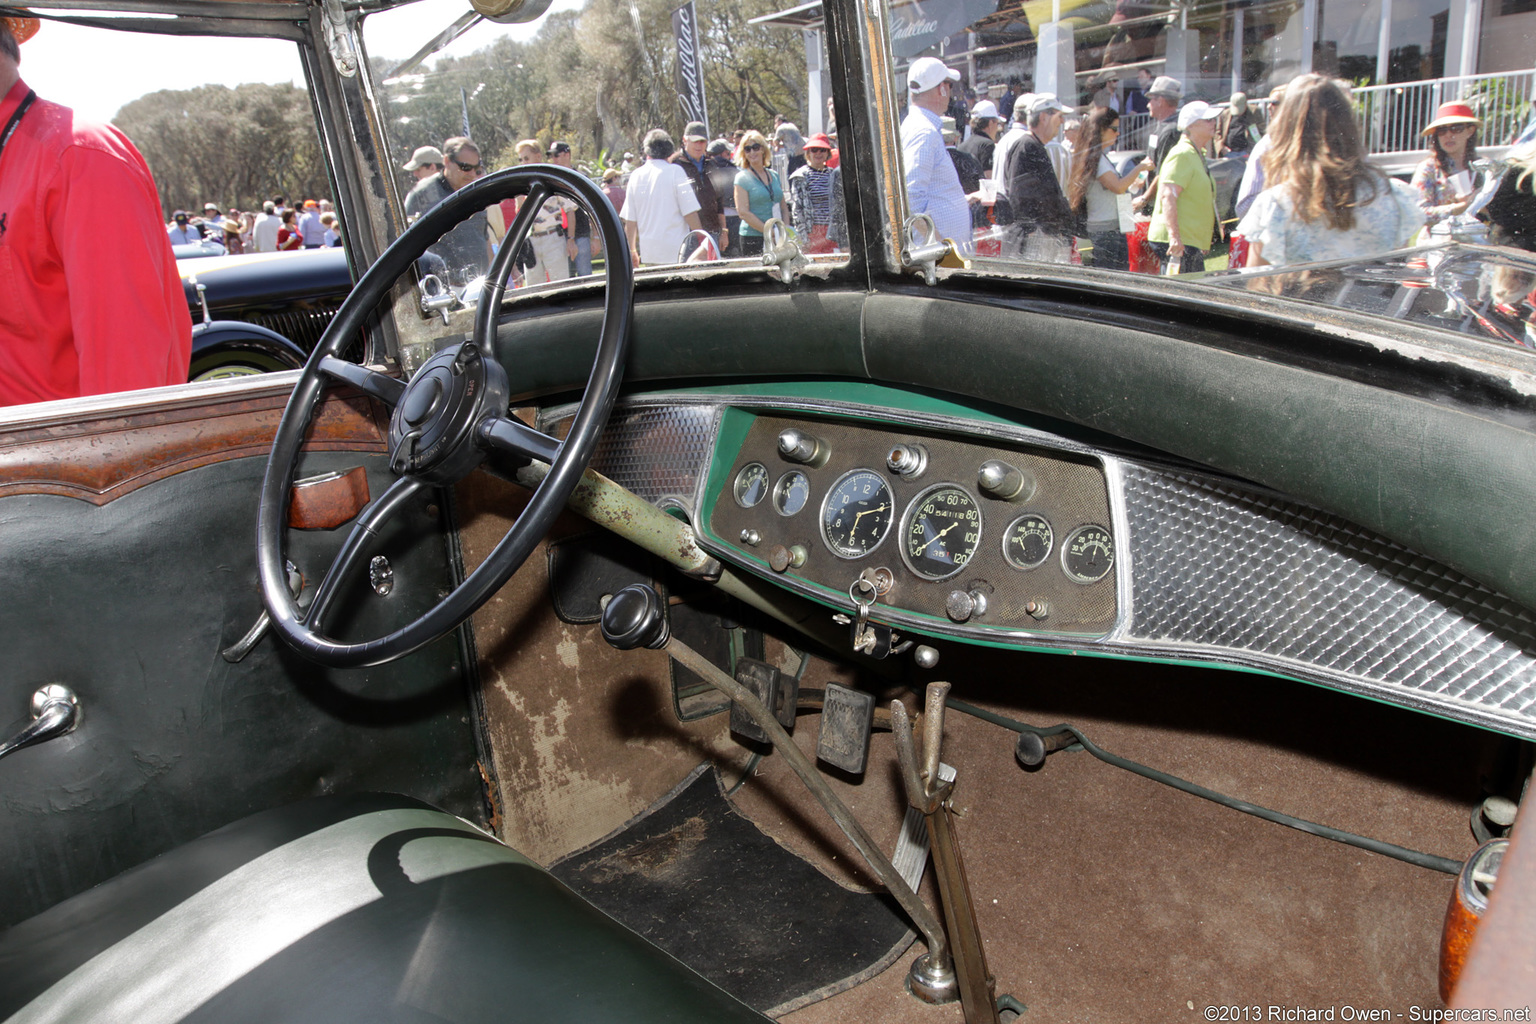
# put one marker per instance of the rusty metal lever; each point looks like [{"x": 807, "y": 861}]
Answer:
[{"x": 965, "y": 972}]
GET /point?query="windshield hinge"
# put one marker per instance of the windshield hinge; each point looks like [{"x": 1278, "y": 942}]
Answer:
[
  {"x": 925, "y": 251},
  {"x": 339, "y": 38},
  {"x": 781, "y": 250}
]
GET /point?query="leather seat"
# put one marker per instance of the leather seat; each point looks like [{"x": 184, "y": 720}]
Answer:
[{"x": 359, "y": 908}]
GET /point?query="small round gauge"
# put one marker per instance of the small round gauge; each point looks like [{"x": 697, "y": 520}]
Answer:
[
  {"x": 1027, "y": 541},
  {"x": 942, "y": 533},
  {"x": 791, "y": 493},
  {"x": 856, "y": 513},
  {"x": 1088, "y": 554},
  {"x": 751, "y": 484}
]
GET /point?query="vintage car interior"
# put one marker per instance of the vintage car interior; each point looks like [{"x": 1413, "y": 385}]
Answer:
[{"x": 890, "y": 634}]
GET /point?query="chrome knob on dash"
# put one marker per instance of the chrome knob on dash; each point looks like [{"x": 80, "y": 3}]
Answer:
[
  {"x": 997, "y": 479},
  {"x": 907, "y": 459},
  {"x": 798, "y": 446}
]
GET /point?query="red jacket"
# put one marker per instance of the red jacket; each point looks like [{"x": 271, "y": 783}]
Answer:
[{"x": 90, "y": 299}]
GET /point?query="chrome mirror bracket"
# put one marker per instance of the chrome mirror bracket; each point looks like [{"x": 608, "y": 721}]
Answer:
[
  {"x": 922, "y": 248},
  {"x": 781, "y": 250}
]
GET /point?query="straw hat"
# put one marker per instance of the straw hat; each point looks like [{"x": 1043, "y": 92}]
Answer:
[{"x": 1449, "y": 114}]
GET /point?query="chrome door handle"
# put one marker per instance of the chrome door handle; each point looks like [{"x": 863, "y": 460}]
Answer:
[{"x": 55, "y": 711}]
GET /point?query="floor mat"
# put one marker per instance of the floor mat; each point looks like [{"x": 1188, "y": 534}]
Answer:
[{"x": 704, "y": 883}]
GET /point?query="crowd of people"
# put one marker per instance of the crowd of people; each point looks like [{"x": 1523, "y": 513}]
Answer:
[
  {"x": 311, "y": 224},
  {"x": 710, "y": 198},
  {"x": 1031, "y": 177}
]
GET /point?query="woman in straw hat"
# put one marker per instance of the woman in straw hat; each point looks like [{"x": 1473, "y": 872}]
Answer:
[{"x": 1445, "y": 180}]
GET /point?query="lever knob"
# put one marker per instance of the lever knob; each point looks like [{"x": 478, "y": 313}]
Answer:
[
  {"x": 997, "y": 479},
  {"x": 807, "y": 449},
  {"x": 636, "y": 617}
]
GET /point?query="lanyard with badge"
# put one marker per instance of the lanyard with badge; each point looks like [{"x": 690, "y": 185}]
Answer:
[{"x": 10, "y": 126}]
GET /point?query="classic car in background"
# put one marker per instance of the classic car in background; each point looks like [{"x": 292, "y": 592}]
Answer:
[
  {"x": 261, "y": 312},
  {"x": 882, "y": 634}
]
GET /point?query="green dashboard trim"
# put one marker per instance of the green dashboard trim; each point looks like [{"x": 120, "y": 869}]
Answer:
[{"x": 857, "y": 393}]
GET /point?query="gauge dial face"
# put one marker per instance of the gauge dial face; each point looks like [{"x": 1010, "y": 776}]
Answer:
[
  {"x": 856, "y": 513},
  {"x": 1088, "y": 554},
  {"x": 1027, "y": 541},
  {"x": 943, "y": 531},
  {"x": 791, "y": 493},
  {"x": 751, "y": 484}
]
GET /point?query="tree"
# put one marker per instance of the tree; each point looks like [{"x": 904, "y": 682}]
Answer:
[{"x": 233, "y": 147}]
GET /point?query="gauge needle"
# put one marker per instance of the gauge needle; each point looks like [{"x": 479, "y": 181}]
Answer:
[
  {"x": 936, "y": 536},
  {"x": 861, "y": 515}
]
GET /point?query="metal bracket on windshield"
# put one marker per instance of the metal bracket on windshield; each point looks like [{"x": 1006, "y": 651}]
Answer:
[
  {"x": 780, "y": 250},
  {"x": 924, "y": 249},
  {"x": 338, "y": 38},
  {"x": 436, "y": 297}
]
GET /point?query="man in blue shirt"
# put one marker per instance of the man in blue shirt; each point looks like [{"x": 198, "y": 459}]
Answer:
[{"x": 933, "y": 186}]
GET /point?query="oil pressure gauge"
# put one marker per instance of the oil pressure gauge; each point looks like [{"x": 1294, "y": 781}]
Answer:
[{"x": 1088, "y": 554}]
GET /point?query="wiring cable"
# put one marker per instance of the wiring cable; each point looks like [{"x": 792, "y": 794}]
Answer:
[{"x": 1414, "y": 857}]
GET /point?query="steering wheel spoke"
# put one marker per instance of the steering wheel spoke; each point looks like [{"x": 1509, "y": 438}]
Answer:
[
  {"x": 445, "y": 420},
  {"x": 513, "y": 437},
  {"x": 364, "y": 532},
  {"x": 385, "y": 388}
]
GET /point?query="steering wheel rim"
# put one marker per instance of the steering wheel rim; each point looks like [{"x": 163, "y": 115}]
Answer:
[{"x": 458, "y": 402}]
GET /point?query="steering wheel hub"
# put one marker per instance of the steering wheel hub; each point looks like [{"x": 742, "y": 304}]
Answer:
[{"x": 432, "y": 430}]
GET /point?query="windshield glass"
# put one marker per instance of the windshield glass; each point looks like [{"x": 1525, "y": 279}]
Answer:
[
  {"x": 1234, "y": 144},
  {"x": 701, "y": 127}
]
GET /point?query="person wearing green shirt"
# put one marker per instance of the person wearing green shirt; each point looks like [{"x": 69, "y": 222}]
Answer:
[{"x": 1184, "y": 220}]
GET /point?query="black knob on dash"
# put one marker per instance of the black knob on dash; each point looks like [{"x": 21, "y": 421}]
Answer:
[{"x": 636, "y": 617}]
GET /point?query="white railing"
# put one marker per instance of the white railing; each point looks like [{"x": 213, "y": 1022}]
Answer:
[{"x": 1392, "y": 116}]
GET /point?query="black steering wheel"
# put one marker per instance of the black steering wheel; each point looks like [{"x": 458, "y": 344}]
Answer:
[{"x": 447, "y": 420}]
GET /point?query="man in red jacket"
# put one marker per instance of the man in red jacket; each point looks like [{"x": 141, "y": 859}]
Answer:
[{"x": 83, "y": 310}]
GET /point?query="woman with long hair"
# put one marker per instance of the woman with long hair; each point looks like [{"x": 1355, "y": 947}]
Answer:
[
  {"x": 1094, "y": 187},
  {"x": 1322, "y": 200},
  {"x": 758, "y": 190},
  {"x": 1445, "y": 180}
]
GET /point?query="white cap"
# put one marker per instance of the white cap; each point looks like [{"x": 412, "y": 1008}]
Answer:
[
  {"x": 1021, "y": 106},
  {"x": 1040, "y": 102},
  {"x": 1196, "y": 110},
  {"x": 986, "y": 108},
  {"x": 927, "y": 72},
  {"x": 1162, "y": 85}
]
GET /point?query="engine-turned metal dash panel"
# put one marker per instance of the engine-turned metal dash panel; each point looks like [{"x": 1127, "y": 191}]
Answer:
[
  {"x": 1040, "y": 561},
  {"x": 1218, "y": 566}
]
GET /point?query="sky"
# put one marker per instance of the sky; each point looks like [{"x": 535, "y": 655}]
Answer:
[{"x": 85, "y": 68}]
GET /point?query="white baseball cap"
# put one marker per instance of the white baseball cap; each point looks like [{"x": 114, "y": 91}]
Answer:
[
  {"x": 1040, "y": 102},
  {"x": 986, "y": 108},
  {"x": 1196, "y": 110},
  {"x": 927, "y": 72}
]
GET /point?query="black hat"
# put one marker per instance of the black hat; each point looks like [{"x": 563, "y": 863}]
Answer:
[{"x": 559, "y": 147}]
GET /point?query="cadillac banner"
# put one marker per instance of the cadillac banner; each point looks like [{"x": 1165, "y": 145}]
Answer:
[{"x": 690, "y": 65}]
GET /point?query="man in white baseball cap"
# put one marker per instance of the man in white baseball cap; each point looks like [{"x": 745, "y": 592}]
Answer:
[
  {"x": 1184, "y": 220},
  {"x": 933, "y": 186}
]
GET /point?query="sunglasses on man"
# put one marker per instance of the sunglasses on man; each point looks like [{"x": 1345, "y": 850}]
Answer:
[{"x": 467, "y": 168}]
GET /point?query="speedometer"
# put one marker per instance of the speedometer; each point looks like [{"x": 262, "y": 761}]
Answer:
[
  {"x": 943, "y": 530},
  {"x": 856, "y": 513}
]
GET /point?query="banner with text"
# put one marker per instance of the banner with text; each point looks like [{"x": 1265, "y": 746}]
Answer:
[{"x": 689, "y": 72}]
